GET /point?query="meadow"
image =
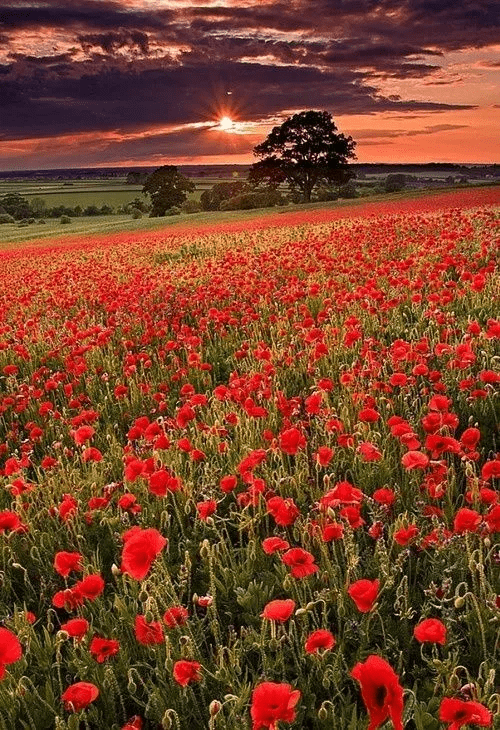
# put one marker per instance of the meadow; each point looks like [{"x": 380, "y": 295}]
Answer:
[{"x": 250, "y": 472}]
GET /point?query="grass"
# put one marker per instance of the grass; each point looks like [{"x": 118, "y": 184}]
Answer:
[{"x": 92, "y": 225}]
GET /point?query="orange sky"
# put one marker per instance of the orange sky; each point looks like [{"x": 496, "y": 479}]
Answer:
[{"x": 143, "y": 82}]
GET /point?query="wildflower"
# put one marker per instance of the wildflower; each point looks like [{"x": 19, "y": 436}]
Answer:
[
  {"x": 175, "y": 616},
  {"x": 460, "y": 713},
  {"x": 300, "y": 561},
  {"x": 76, "y": 627},
  {"x": 279, "y": 610},
  {"x": 273, "y": 703},
  {"x": 466, "y": 520},
  {"x": 291, "y": 441},
  {"x": 273, "y": 544},
  {"x": 364, "y": 594},
  {"x": 101, "y": 649},
  {"x": 284, "y": 511},
  {"x": 148, "y": 633},
  {"x": 65, "y": 562},
  {"x": 381, "y": 691},
  {"x": 414, "y": 460},
  {"x": 186, "y": 672},
  {"x": 431, "y": 631},
  {"x": 10, "y": 649},
  {"x": 319, "y": 639},
  {"x": 79, "y": 695},
  {"x": 140, "y": 550}
]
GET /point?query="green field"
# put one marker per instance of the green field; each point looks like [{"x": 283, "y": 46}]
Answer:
[
  {"x": 114, "y": 193},
  {"x": 13, "y": 234}
]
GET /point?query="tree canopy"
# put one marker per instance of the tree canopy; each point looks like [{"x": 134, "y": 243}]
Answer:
[
  {"x": 305, "y": 151},
  {"x": 167, "y": 188}
]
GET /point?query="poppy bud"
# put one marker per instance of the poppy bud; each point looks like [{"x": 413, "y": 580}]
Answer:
[
  {"x": 214, "y": 707},
  {"x": 323, "y": 713},
  {"x": 459, "y": 602}
]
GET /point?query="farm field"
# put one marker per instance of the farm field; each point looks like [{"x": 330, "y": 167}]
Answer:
[
  {"x": 250, "y": 470},
  {"x": 13, "y": 234}
]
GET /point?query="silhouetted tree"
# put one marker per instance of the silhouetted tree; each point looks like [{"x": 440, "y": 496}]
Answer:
[
  {"x": 305, "y": 151},
  {"x": 167, "y": 188}
]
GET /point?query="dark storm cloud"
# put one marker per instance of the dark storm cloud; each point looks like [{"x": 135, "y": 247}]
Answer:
[
  {"x": 98, "y": 14},
  {"x": 128, "y": 66},
  {"x": 47, "y": 103}
]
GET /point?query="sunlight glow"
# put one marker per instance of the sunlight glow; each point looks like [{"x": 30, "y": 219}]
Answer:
[{"x": 226, "y": 123}]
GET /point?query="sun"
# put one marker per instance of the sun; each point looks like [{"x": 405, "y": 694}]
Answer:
[{"x": 226, "y": 123}]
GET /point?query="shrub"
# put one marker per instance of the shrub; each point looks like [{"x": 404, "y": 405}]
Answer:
[
  {"x": 348, "y": 190},
  {"x": 174, "y": 210},
  {"x": 395, "y": 182},
  {"x": 323, "y": 194},
  {"x": 257, "y": 199},
  {"x": 191, "y": 206},
  {"x": 65, "y": 219},
  {"x": 135, "y": 213},
  {"x": 6, "y": 218}
]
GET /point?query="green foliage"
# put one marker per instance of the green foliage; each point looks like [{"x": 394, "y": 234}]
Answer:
[
  {"x": 395, "y": 182},
  {"x": 348, "y": 190},
  {"x": 6, "y": 218},
  {"x": 212, "y": 199},
  {"x": 65, "y": 219},
  {"x": 190, "y": 206},
  {"x": 16, "y": 206},
  {"x": 167, "y": 188},
  {"x": 266, "y": 198}
]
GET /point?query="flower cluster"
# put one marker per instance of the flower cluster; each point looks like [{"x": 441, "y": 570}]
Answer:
[{"x": 249, "y": 475}]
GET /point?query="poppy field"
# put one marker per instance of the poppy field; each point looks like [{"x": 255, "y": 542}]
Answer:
[{"x": 249, "y": 474}]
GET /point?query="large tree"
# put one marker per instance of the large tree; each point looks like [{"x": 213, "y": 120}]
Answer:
[
  {"x": 167, "y": 187},
  {"x": 305, "y": 151}
]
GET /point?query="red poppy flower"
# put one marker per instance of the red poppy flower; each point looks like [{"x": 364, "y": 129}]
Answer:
[
  {"x": 431, "y": 631},
  {"x": 381, "y": 691},
  {"x": 332, "y": 531},
  {"x": 406, "y": 534},
  {"x": 342, "y": 493},
  {"x": 10, "y": 649},
  {"x": 284, "y": 511},
  {"x": 175, "y": 616},
  {"x": 148, "y": 633},
  {"x": 319, "y": 639},
  {"x": 65, "y": 562},
  {"x": 364, "y": 594},
  {"x": 90, "y": 587},
  {"x": 140, "y": 550},
  {"x": 273, "y": 703},
  {"x": 492, "y": 519},
  {"x": 324, "y": 455},
  {"x": 384, "y": 496},
  {"x": 102, "y": 649},
  {"x": 91, "y": 454},
  {"x": 466, "y": 520},
  {"x": 414, "y": 460},
  {"x": 291, "y": 441},
  {"x": 278, "y": 610},
  {"x": 79, "y": 695},
  {"x": 186, "y": 672},
  {"x": 491, "y": 469},
  {"x": 300, "y": 561},
  {"x": 76, "y": 627},
  {"x": 205, "y": 509},
  {"x": 273, "y": 544},
  {"x": 369, "y": 451},
  {"x": 460, "y": 713},
  {"x": 228, "y": 483}
]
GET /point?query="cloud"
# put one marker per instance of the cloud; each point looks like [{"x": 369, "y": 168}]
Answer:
[{"x": 101, "y": 65}]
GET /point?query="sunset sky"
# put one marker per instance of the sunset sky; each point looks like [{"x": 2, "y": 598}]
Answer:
[{"x": 146, "y": 82}]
